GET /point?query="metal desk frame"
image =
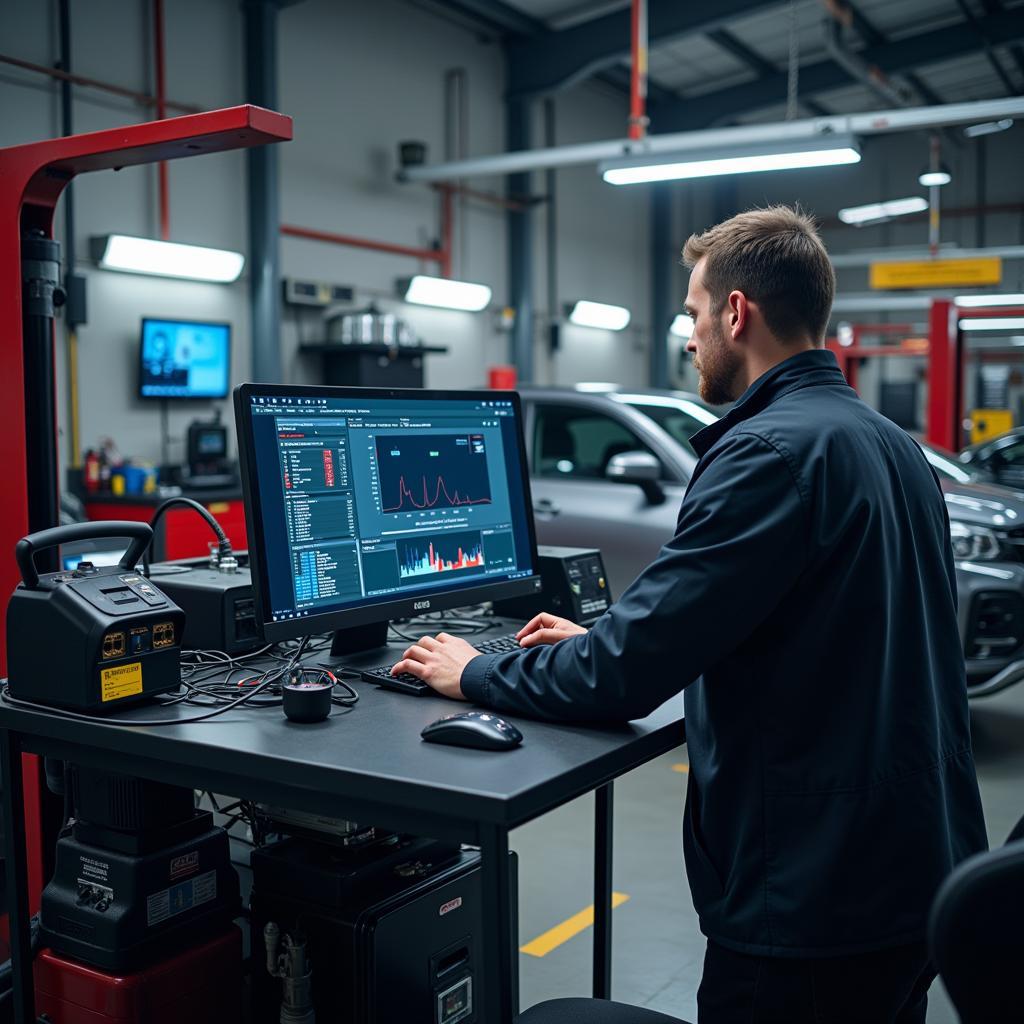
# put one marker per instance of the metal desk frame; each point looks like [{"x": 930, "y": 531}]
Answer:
[{"x": 477, "y": 817}]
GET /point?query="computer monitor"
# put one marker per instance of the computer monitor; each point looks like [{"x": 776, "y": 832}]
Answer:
[
  {"x": 368, "y": 504},
  {"x": 184, "y": 359}
]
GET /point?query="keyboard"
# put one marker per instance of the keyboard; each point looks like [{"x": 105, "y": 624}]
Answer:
[
  {"x": 406, "y": 682},
  {"x": 499, "y": 645}
]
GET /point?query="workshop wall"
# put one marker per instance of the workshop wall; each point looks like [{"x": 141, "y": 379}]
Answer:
[{"x": 351, "y": 109}]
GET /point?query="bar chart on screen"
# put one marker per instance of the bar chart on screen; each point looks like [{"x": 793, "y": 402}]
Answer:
[{"x": 453, "y": 552}]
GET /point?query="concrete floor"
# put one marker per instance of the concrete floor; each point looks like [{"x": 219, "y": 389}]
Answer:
[{"x": 658, "y": 948}]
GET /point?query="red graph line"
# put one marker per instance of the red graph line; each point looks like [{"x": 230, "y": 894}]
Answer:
[{"x": 404, "y": 492}]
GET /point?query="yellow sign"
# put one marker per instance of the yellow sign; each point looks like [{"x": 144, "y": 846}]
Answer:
[
  {"x": 986, "y": 423},
  {"x": 936, "y": 273},
  {"x": 122, "y": 681}
]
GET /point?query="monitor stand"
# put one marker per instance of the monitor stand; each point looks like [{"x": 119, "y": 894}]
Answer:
[{"x": 357, "y": 639}]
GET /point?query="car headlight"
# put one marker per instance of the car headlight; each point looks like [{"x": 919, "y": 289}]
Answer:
[{"x": 973, "y": 543}]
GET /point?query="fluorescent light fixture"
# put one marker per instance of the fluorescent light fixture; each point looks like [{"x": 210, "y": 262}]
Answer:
[
  {"x": 967, "y": 301},
  {"x": 940, "y": 177},
  {"x": 447, "y": 294},
  {"x": 682, "y": 326},
  {"x": 599, "y": 314},
  {"x": 596, "y": 386},
  {"x": 996, "y": 323},
  {"x": 166, "y": 259},
  {"x": 883, "y": 211},
  {"x": 974, "y": 131},
  {"x": 824, "y": 151}
]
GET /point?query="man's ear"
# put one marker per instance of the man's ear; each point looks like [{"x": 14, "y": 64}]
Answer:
[{"x": 739, "y": 313}]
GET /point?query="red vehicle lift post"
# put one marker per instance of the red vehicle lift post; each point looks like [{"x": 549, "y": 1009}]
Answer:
[
  {"x": 946, "y": 353},
  {"x": 32, "y": 178}
]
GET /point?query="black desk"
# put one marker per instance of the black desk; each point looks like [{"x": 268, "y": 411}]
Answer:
[{"x": 367, "y": 766}]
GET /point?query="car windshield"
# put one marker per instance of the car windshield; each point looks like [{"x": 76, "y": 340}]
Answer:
[
  {"x": 946, "y": 465},
  {"x": 678, "y": 417}
]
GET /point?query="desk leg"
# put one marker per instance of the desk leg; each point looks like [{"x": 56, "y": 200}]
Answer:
[
  {"x": 17, "y": 876},
  {"x": 498, "y": 945},
  {"x": 603, "y": 892}
]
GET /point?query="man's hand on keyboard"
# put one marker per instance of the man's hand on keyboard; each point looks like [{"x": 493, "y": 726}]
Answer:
[
  {"x": 438, "y": 661},
  {"x": 547, "y": 629}
]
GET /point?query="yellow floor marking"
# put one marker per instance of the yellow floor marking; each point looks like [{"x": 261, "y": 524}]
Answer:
[
  {"x": 684, "y": 768},
  {"x": 554, "y": 937}
]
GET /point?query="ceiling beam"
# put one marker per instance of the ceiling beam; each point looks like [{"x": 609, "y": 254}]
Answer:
[
  {"x": 872, "y": 36},
  {"x": 509, "y": 22},
  {"x": 990, "y": 53},
  {"x": 894, "y": 57},
  {"x": 553, "y": 60},
  {"x": 994, "y": 7},
  {"x": 496, "y": 15},
  {"x": 756, "y": 62}
]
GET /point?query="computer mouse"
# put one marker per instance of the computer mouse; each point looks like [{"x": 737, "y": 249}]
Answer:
[{"x": 478, "y": 729}]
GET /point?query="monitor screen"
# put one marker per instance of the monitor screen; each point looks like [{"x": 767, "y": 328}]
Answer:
[
  {"x": 366, "y": 504},
  {"x": 184, "y": 359}
]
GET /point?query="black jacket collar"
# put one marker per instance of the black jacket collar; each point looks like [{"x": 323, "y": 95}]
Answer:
[{"x": 817, "y": 366}]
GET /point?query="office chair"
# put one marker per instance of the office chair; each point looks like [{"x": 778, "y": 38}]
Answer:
[
  {"x": 976, "y": 934},
  {"x": 591, "y": 1011}
]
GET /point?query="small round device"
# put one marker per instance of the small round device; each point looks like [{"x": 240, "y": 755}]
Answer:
[{"x": 306, "y": 700}]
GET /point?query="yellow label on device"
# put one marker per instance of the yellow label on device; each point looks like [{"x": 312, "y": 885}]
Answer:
[{"x": 122, "y": 681}]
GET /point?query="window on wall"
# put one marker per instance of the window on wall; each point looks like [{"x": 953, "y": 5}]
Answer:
[{"x": 579, "y": 443}]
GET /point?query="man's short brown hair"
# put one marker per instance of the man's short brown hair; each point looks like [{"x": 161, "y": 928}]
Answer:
[{"x": 777, "y": 259}]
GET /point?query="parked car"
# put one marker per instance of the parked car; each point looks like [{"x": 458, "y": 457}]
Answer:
[
  {"x": 609, "y": 469},
  {"x": 999, "y": 459}
]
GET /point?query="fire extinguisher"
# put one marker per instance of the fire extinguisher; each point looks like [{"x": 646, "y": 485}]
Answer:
[{"x": 92, "y": 471}]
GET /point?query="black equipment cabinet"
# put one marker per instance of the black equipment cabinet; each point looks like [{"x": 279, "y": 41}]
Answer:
[
  {"x": 372, "y": 365},
  {"x": 393, "y": 935}
]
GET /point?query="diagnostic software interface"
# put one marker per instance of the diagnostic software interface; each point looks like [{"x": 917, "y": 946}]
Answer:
[{"x": 369, "y": 500}]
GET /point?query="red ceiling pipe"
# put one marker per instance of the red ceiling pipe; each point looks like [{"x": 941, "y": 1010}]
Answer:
[
  {"x": 990, "y": 312},
  {"x": 94, "y": 83},
  {"x": 437, "y": 255},
  {"x": 638, "y": 73},
  {"x": 446, "y": 233},
  {"x": 505, "y": 202},
  {"x": 163, "y": 187}
]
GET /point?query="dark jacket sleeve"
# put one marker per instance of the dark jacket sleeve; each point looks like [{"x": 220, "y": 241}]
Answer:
[{"x": 740, "y": 543}]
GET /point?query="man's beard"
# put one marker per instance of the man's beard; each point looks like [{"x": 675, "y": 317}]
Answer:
[{"x": 719, "y": 369}]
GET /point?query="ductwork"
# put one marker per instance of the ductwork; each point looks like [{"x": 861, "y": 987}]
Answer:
[{"x": 877, "y": 122}]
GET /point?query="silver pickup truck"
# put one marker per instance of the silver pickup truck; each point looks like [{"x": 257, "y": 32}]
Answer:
[{"x": 609, "y": 467}]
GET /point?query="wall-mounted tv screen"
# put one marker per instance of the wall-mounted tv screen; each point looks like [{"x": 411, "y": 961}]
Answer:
[{"x": 184, "y": 359}]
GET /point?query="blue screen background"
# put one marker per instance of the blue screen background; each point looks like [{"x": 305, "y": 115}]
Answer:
[{"x": 184, "y": 360}]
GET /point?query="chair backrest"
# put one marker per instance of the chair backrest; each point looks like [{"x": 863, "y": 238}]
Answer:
[{"x": 976, "y": 933}]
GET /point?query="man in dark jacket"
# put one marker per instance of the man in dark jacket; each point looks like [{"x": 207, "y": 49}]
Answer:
[{"x": 807, "y": 604}]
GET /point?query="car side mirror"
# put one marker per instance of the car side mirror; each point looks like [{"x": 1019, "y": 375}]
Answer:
[{"x": 640, "y": 468}]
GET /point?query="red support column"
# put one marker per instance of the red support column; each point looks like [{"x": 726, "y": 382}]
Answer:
[
  {"x": 945, "y": 384},
  {"x": 32, "y": 178},
  {"x": 847, "y": 363}
]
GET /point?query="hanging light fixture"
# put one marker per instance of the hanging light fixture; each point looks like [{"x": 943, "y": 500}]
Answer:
[
  {"x": 445, "y": 293},
  {"x": 936, "y": 177},
  {"x": 602, "y": 315},
  {"x": 682, "y": 326},
  {"x": 824, "y": 151},
  {"x": 876, "y": 213},
  {"x": 166, "y": 259},
  {"x": 974, "y": 131}
]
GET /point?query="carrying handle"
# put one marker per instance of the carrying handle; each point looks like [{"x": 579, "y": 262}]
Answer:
[{"x": 28, "y": 547}]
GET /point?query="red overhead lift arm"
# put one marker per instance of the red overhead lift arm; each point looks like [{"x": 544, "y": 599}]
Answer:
[{"x": 32, "y": 178}]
